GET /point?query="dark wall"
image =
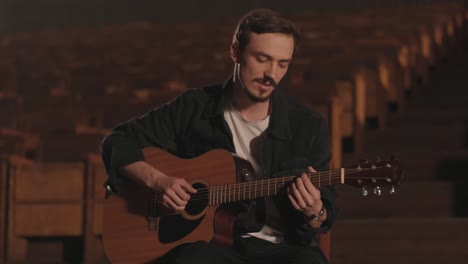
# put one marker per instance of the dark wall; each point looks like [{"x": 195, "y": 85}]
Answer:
[{"x": 26, "y": 15}]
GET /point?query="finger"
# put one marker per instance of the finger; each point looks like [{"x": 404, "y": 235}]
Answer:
[
  {"x": 310, "y": 169},
  {"x": 310, "y": 188},
  {"x": 293, "y": 202},
  {"x": 297, "y": 196},
  {"x": 306, "y": 196},
  {"x": 181, "y": 192},
  {"x": 293, "y": 199},
  {"x": 173, "y": 196},
  {"x": 188, "y": 187},
  {"x": 172, "y": 204}
]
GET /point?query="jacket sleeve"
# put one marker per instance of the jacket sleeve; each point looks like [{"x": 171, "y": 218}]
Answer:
[
  {"x": 319, "y": 159},
  {"x": 158, "y": 127}
]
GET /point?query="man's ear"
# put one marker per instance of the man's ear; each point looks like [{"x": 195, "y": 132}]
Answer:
[{"x": 235, "y": 53}]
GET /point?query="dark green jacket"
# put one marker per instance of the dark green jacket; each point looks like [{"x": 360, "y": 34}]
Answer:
[{"x": 193, "y": 124}]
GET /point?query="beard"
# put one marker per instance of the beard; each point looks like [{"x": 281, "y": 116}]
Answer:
[
  {"x": 260, "y": 98},
  {"x": 255, "y": 98}
]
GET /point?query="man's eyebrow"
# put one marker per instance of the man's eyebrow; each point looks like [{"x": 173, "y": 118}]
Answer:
[{"x": 259, "y": 53}]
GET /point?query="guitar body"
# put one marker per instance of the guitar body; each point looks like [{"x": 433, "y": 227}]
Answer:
[{"x": 129, "y": 236}]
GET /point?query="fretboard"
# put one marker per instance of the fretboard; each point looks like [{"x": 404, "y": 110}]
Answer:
[{"x": 261, "y": 188}]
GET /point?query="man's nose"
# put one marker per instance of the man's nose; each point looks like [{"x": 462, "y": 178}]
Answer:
[{"x": 271, "y": 71}]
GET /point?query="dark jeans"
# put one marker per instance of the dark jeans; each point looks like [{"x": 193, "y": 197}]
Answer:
[{"x": 246, "y": 250}]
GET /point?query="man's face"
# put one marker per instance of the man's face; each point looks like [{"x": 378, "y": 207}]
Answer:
[{"x": 263, "y": 63}]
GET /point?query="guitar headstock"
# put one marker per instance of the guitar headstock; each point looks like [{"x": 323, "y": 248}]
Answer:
[{"x": 375, "y": 175}]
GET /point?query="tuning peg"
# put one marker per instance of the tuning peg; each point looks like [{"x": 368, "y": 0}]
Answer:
[
  {"x": 377, "y": 190},
  {"x": 378, "y": 159},
  {"x": 364, "y": 192},
  {"x": 392, "y": 190},
  {"x": 393, "y": 157}
]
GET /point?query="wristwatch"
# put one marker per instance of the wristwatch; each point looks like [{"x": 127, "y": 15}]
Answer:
[{"x": 318, "y": 215}]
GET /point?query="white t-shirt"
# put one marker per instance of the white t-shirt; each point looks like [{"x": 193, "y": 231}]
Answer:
[{"x": 247, "y": 136}]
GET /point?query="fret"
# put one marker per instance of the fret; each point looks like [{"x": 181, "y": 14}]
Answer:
[
  {"x": 244, "y": 190},
  {"x": 233, "y": 187},
  {"x": 220, "y": 188},
  {"x": 241, "y": 191},
  {"x": 268, "y": 189},
  {"x": 342, "y": 175},
  {"x": 276, "y": 185},
  {"x": 247, "y": 190},
  {"x": 245, "y": 187},
  {"x": 255, "y": 190},
  {"x": 223, "y": 197},
  {"x": 211, "y": 195},
  {"x": 261, "y": 188},
  {"x": 214, "y": 194},
  {"x": 329, "y": 177},
  {"x": 218, "y": 200},
  {"x": 319, "y": 179}
]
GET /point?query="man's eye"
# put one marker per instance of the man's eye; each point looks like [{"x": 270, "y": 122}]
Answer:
[
  {"x": 283, "y": 66},
  {"x": 261, "y": 59}
]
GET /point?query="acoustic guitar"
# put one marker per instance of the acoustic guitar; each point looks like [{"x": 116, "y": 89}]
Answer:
[{"x": 138, "y": 229}]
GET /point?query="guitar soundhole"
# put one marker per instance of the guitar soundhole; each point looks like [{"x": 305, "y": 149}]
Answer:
[{"x": 198, "y": 201}]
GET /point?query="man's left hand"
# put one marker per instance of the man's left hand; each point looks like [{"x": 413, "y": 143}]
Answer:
[{"x": 305, "y": 197}]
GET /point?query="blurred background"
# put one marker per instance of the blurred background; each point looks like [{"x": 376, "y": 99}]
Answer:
[{"x": 391, "y": 78}]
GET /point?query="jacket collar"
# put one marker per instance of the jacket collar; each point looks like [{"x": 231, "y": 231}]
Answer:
[
  {"x": 279, "y": 120},
  {"x": 218, "y": 95}
]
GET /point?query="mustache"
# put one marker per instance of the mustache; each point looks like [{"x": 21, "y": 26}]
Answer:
[{"x": 267, "y": 81}]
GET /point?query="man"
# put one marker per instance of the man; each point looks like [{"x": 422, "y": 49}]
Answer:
[{"x": 247, "y": 115}]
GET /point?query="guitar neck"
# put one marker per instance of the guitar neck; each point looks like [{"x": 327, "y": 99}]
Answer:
[{"x": 261, "y": 188}]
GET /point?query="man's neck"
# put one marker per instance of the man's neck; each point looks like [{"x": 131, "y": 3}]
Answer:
[{"x": 250, "y": 110}]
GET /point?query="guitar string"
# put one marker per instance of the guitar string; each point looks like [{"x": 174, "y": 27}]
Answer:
[
  {"x": 326, "y": 177},
  {"x": 264, "y": 186}
]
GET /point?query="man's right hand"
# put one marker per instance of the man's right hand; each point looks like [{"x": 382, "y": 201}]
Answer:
[{"x": 175, "y": 191}]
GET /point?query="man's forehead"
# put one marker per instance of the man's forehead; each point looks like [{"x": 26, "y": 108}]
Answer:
[{"x": 278, "y": 46}]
